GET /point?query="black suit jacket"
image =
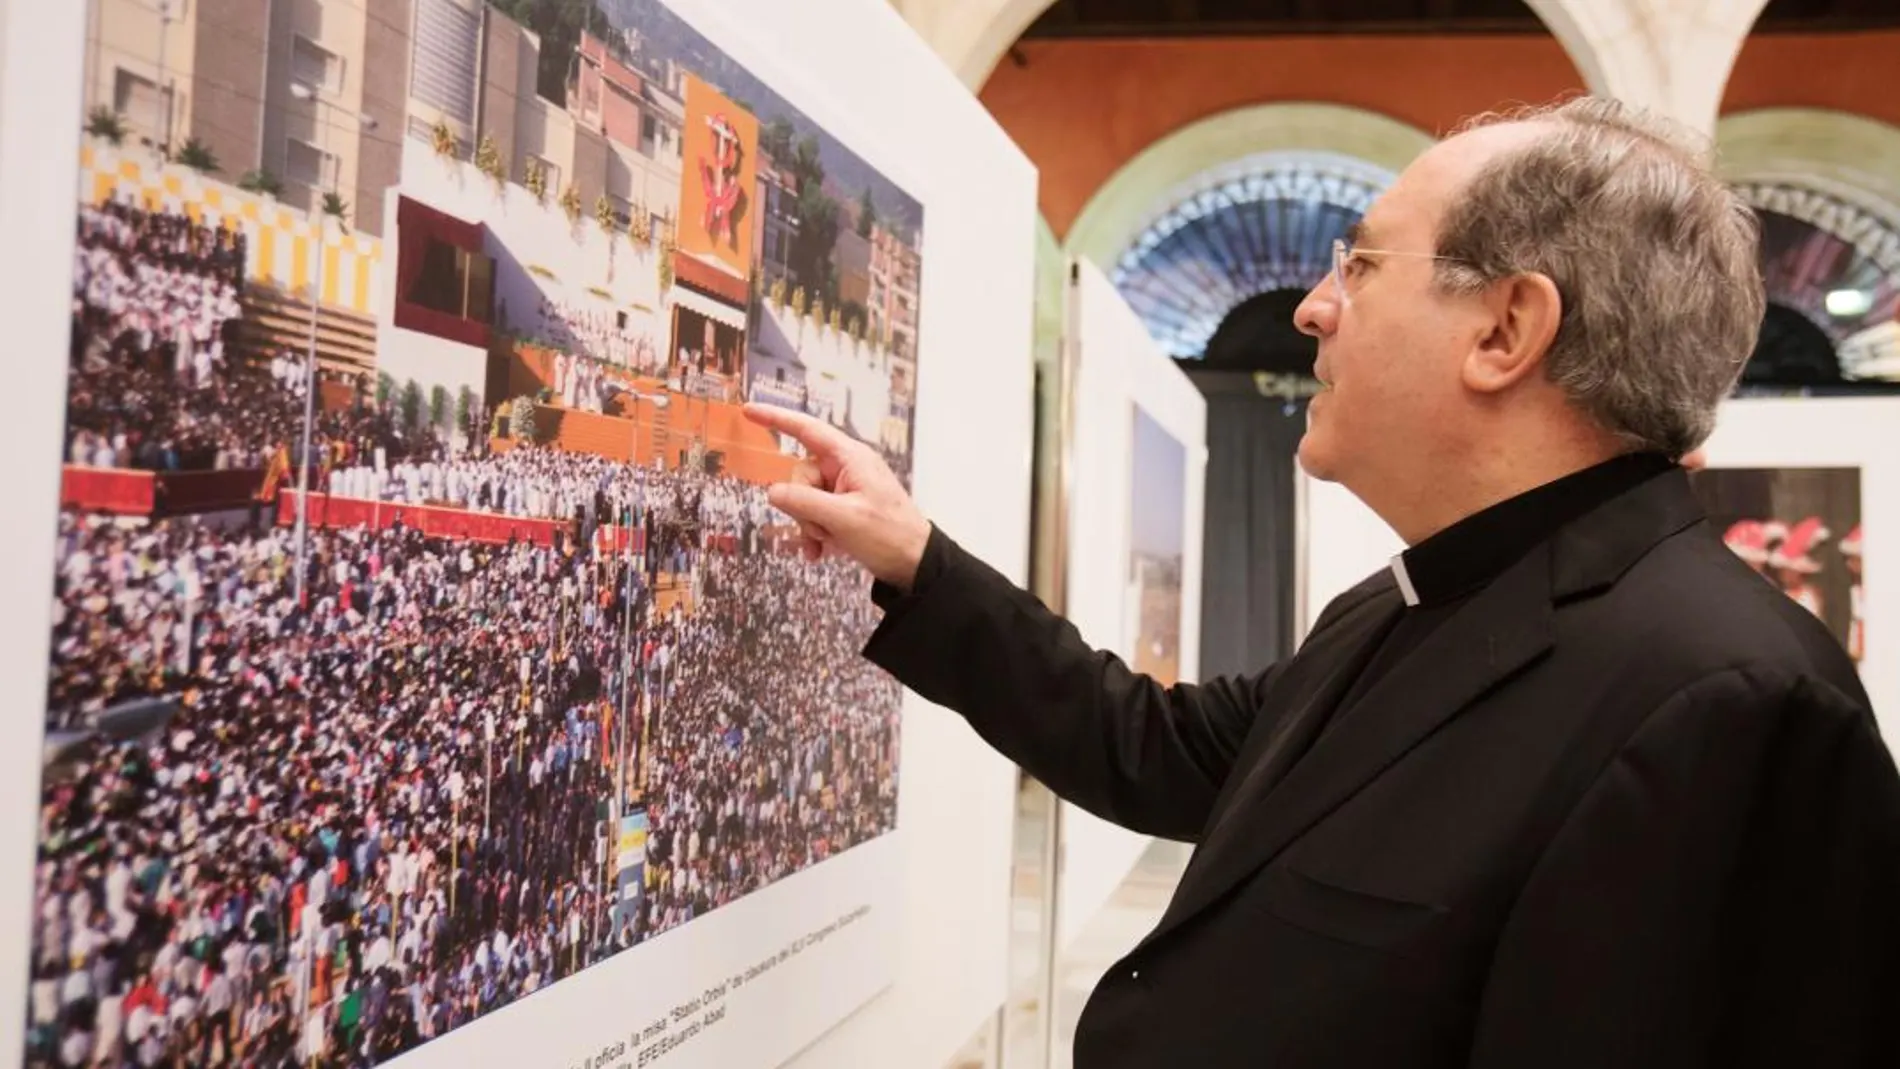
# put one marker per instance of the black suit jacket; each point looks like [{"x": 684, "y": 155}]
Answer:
[{"x": 1627, "y": 808}]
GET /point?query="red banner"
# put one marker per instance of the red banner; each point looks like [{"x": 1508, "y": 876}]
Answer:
[
  {"x": 118, "y": 490},
  {"x": 328, "y": 511}
]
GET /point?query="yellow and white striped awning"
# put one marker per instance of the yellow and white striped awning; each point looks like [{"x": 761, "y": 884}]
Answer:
[{"x": 281, "y": 239}]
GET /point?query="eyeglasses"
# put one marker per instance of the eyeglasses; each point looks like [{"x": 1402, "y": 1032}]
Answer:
[{"x": 1345, "y": 263}]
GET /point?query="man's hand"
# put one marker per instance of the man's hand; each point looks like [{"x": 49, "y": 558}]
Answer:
[{"x": 846, "y": 499}]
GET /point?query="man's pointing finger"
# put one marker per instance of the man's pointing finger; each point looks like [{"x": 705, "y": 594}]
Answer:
[{"x": 815, "y": 434}]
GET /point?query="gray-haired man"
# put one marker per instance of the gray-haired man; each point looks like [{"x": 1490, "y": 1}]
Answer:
[{"x": 1566, "y": 784}]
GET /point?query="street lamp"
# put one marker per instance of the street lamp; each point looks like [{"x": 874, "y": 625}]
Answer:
[
  {"x": 164, "y": 9},
  {"x": 309, "y": 93}
]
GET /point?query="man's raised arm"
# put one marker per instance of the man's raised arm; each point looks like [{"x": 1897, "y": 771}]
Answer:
[{"x": 1149, "y": 757}]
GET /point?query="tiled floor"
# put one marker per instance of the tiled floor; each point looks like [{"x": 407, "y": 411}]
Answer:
[{"x": 1128, "y": 915}]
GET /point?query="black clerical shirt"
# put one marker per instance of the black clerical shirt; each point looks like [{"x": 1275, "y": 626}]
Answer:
[{"x": 1442, "y": 572}]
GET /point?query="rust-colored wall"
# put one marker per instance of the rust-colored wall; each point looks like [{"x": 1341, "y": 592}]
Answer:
[
  {"x": 1849, "y": 72},
  {"x": 1081, "y": 109}
]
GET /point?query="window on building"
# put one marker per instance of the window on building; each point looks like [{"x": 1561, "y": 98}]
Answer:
[
  {"x": 455, "y": 282},
  {"x": 309, "y": 165},
  {"x": 138, "y": 100},
  {"x": 481, "y": 288},
  {"x": 551, "y": 172},
  {"x": 314, "y": 65},
  {"x": 589, "y": 95},
  {"x": 443, "y": 57}
]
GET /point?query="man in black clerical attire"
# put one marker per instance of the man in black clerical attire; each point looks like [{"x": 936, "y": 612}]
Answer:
[{"x": 1565, "y": 785}]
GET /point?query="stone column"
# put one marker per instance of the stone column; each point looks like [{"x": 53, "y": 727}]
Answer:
[
  {"x": 971, "y": 36},
  {"x": 1673, "y": 56}
]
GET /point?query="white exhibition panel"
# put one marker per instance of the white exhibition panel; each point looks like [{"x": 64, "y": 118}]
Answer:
[
  {"x": 39, "y": 152},
  {"x": 1831, "y": 432},
  {"x": 1118, "y": 367},
  {"x": 903, "y": 982},
  {"x": 1340, "y": 543}
]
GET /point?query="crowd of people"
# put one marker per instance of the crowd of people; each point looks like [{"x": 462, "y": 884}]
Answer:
[
  {"x": 764, "y": 762},
  {"x": 154, "y": 317},
  {"x": 321, "y": 816},
  {"x": 601, "y": 334},
  {"x": 1791, "y": 557},
  {"x": 584, "y": 383},
  {"x": 155, "y": 383},
  {"x": 373, "y": 814},
  {"x": 541, "y": 482}
]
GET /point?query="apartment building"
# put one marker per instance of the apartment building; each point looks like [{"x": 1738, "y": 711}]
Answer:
[
  {"x": 313, "y": 97},
  {"x": 476, "y": 71},
  {"x": 893, "y": 290}
]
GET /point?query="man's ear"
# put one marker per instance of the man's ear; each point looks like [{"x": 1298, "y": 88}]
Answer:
[{"x": 1524, "y": 313}]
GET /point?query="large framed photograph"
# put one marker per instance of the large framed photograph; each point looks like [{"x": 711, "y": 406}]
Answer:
[
  {"x": 1157, "y": 550},
  {"x": 1807, "y": 490},
  {"x": 1800, "y": 528},
  {"x": 420, "y": 636}
]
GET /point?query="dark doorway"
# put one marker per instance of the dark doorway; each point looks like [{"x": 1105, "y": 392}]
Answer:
[
  {"x": 1258, "y": 335},
  {"x": 1791, "y": 351}
]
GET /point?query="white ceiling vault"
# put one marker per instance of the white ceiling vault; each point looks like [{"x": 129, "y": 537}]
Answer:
[{"x": 1671, "y": 55}]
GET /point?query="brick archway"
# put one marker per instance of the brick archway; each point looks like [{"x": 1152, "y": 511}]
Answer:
[
  {"x": 1850, "y": 157},
  {"x": 1172, "y": 169}
]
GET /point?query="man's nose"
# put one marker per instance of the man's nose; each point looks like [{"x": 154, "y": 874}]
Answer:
[{"x": 1318, "y": 313}]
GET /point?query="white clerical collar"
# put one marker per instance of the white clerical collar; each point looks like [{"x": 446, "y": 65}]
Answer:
[{"x": 1404, "y": 577}]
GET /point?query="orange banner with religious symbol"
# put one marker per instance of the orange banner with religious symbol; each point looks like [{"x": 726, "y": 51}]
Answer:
[{"x": 718, "y": 179}]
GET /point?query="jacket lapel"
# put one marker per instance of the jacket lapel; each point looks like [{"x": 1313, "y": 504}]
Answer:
[
  {"x": 1325, "y": 669},
  {"x": 1507, "y": 626},
  {"x": 1504, "y": 628}
]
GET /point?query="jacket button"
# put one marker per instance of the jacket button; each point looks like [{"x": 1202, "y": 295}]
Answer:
[{"x": 1134, "y": 974}]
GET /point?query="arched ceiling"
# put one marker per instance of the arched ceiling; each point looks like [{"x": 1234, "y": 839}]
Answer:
[
  {"x": 1849, "y": 157},
  {"x": 1672, "y": 55},
  {"x": 1239, "y": 204},
  {"x": 1205, "y": 153},
  {"x": 1265, "y": 224},
  {"x": 1827, "y": 187},
  {"x": 1826, "y": 277}
]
